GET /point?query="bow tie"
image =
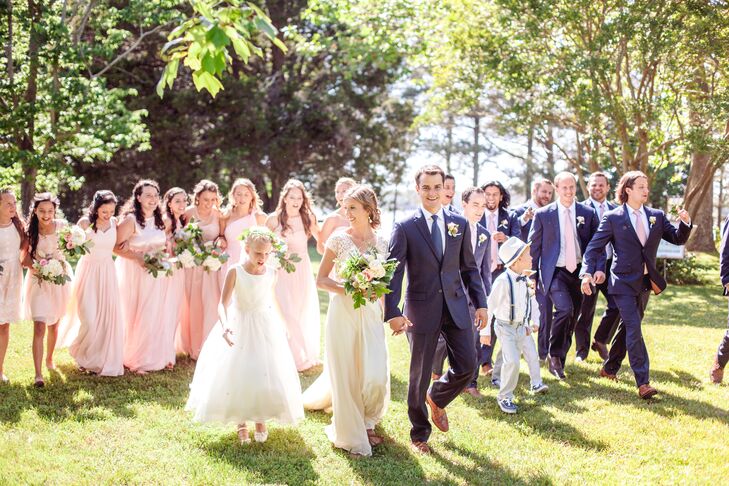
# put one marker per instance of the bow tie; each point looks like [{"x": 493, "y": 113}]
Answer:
[{"x": 521, "y": 278}]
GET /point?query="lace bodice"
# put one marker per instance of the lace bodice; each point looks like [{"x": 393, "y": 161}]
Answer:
[{"x": 343, "y": 246}]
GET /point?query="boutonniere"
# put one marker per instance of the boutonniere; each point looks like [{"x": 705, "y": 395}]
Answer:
[
  {"x": 503, "y": 222},
  {"x": 481, "y": 238},
  {"x": 580, "y": 221},
  {"x": 652, "y": 221},
  {"x": 453, "y": 229}
]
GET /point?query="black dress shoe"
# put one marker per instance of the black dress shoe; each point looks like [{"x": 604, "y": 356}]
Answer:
[{"x": 555, "y": 367}]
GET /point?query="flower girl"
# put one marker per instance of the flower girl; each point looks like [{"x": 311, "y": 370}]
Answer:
[{"x": 245, "y": 371}]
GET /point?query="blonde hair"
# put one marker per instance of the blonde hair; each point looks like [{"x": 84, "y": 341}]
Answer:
[
  {"x": 366, "y": 196},
  {"x": 346, "y": 181},
  {"x": 259, "y": 234},
  {"x": 256, "y": 202},
  {"x": 202, "y": 186}
]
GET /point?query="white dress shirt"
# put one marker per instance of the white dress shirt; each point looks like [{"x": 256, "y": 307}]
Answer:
[
  {"x": 474, "y": 235},
  {"x": 563, "y": 222},
  {"x": 604, "y": 208},
  {"x": 441, "y": 223},
  {"x": 643, "y": 219},
  {"x": 499, "y": 300}
]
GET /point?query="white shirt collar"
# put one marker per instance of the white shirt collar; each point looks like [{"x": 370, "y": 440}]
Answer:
[
  {"x": 429, "y": 215},
  {"x": 641, "y": 209},
  {"x": 512, "y": 273},
  {"x": 597, "y": 203},
  {"x": 571, "y": 207}
]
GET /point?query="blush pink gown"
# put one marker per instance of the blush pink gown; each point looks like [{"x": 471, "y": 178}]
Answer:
[
  {"x": 94, "y": 326},
  {"x": 299, "y": 302},
  {"x": 146, "y": 318},
  {"x": 11, "y": 279},
  {"x": 202, "y": 294},
  {"x": 233, "y": 230},
  {"x": 47, "y": 302}
]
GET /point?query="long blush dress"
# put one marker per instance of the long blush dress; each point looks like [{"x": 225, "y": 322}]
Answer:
[
  {"x": 255, "y": 379},
  {"x": 202, "y": 294},
  {"x": 145, "y": 315},
  {"x": 356, "y": 378},
  {"x": 11, "y": 279},
  {"x": 94, "y": 323},
  {"x": 235, "y": 247},
  {"x": 298, "y": 299},
  {"x": 47, "y": 302}
]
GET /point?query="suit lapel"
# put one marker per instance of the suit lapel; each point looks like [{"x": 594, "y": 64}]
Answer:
[
  {"x": 447, "y": 221},
  {"x": 422, "y": 225},
  {"x": 651, "y": 227},
  {"x": 555, "y": 221}
]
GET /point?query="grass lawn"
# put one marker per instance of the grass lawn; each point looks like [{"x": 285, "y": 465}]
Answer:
[{"x": 88, "y": 430}]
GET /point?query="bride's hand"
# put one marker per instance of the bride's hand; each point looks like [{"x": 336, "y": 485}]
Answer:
[{"x": 227, "y": 332}]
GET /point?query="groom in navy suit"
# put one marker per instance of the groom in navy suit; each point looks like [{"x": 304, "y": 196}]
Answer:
[
  {"x": 635, "y": 232},
  {"x": 722, "y": 354},
  {"x": 559, "y": 236},
  {"x": 435, "y": 247}
]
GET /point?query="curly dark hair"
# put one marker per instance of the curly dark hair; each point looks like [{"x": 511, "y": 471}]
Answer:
[
  {"x": 100, "y": 198},
  {"x": 33, "y": 223},
  {"x": 168, "y": 197},
  {"x": 505, "y": 196},
  {"x": 133, "y": 206}
]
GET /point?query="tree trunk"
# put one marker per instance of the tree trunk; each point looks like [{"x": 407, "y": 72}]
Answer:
[
  {"x": 720, "y": 202},
  {"x": 549, "y": 148},
  {"x": 449, "y": 144},
  {"x": 27, "y": 142},
  {"x": 700, "y": 207},
  {"x": 476, "y": 132},
  {"x": 529, "y": 174}
]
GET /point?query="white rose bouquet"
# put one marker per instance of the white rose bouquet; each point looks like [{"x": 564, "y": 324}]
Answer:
[
  {"x": 73, "y": 242},
  {"x": 366, "y": 276},
  {"x": 51, "y": 270},
  {"x": 159, "y": 263}
]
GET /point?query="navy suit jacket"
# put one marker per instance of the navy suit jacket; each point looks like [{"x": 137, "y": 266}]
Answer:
[
  {"x": 517, "y": 213},
  {"x": 506, "y": 222},
  {"x": 483, "y": 257},
  {"x": 610, "y": 206},
  {"x": 724, "y": 255},
  {"x": 630, "y": 257},
  {"x": 545, "y": 237},
  {"x": 429, "y": 278}
]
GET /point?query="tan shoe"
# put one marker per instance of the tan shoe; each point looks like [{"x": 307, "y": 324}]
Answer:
[
  {"x": 473, "y": 391},
  {"x": 609, "y": 376},
  {"x": 717, "y": 372},
  {"x": 420, "y": 447},
  {"x": 486, "y": 369},
  {"x": 646, "y": 391},
  {"x": 438, "y": 415}
]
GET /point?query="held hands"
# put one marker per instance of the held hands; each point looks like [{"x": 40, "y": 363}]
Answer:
[
  {"x": 587, "y": 283},
  {"x": 226, "y": 333},
  {"x": 399, "y": 324},
  {"x": 481, "y": 318}
]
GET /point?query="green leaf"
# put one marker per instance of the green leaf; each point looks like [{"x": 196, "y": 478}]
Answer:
[
  {"x": 218, "y": 37},
  {"x": 266, "y": 27},
  {"x": 278, "y": 43},
  {"x": 205, "y": 80}
]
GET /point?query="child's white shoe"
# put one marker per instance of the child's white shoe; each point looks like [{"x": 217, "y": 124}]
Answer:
[
  {"x": 260, "y": 436},
  {"x": 540, "y": 388},
  {"x": 243, "y": 434}
]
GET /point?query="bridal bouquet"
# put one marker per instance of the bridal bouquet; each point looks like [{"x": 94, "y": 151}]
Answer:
[
  {"x": 159, "y": 263},
  {"x": 212, "y": 257},
  {"x": 72, "y": 241},
  {"x": 51, "y": 270},
  {"x": 192, "y": 252},
  {"x": 366, "y": 276},
  {"x": 284, "y": 259}
]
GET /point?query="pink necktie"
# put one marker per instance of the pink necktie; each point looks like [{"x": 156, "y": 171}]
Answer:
[
  {"x": 570, "y": 252},
  {"x": 602, "y": 210},
  {"x": 494, "y": 245},
  {"x": 639, "y": 228}
]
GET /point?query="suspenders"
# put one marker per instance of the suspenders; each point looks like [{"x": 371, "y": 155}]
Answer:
[{"x": 512, "y": 311}]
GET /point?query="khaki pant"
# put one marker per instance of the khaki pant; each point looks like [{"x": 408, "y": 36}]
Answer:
[{"x": 514, "y": 342}]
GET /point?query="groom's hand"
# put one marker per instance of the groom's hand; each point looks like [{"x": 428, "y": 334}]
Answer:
[
  {"x": 399, "y": 324},
  {"x": 481, "y": 318}
]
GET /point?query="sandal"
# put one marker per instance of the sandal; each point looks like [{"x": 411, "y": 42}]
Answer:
[
  {"x": 243, "y": 434},
  {"x": 374, "y": 439},
  {"x": 39, "y": 383}
]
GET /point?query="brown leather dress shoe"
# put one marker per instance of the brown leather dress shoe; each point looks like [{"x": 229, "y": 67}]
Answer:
[
  {"x": 472, "y": 391},
  {"x": 646, "y": 391},
  {"x": 486, "y": 369},
  {"x": 420, "y": 447},
  {"x": 437, "y": 415},
  {"x": 555, "y": 367},
  {"x": 609, "y": 376},
  {"x": 717, "y": 372},
  {"x": 601, "y": 349}
]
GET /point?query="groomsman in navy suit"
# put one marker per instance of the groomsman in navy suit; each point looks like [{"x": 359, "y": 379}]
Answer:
[
  {"x": 634, "y": 231},
  {"x": 501, "y": 224},
  {"x": 559, "y": 236},
  {"x": 449, "y": 191},
  {"x": 722, "y": 355},
  {"x": 435, "y": 247},
  {"x": 598, "y": 187},
  {"x": 542, "y": 194},
  {"x": 473, "y": 201}
]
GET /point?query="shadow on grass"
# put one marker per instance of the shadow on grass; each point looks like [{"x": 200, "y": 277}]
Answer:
[
  {"x": 72, "y": 395},
  {"x": 283, "y": 459}
]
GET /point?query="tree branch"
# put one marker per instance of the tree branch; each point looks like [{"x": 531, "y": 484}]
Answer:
[{"x": 131, "y": 48}]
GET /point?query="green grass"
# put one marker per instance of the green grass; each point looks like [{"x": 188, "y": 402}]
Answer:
[{"x": 89, "y": 430}]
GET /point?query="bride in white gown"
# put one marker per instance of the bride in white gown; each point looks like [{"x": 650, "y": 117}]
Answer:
[{"x": 356, "y": 379}]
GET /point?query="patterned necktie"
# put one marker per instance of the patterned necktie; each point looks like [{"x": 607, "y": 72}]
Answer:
[
  {"x": 570, "y": 252},
  {"x": 435, "y": 236},
  {"x": 639, "y": 228},
  {"x": 494, "y": 245}
]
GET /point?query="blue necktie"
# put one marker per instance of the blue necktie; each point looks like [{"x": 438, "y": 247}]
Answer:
[{"x": 435, "y": 236}]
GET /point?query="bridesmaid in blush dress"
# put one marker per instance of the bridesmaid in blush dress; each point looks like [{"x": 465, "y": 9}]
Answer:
[
  {"x": 142, "y": 296},
  {"x": 45, "y": 303},
  {"x": 202, "y": 287},
  {"x": 243, "y": 211},
  {"x": 175, "y": 204},
  {"x": 296, "y": 292},
  {"x": 12, "y": 243},
  {"x": 336, "y": 219},
  {"x": 94, "y": 324}
]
